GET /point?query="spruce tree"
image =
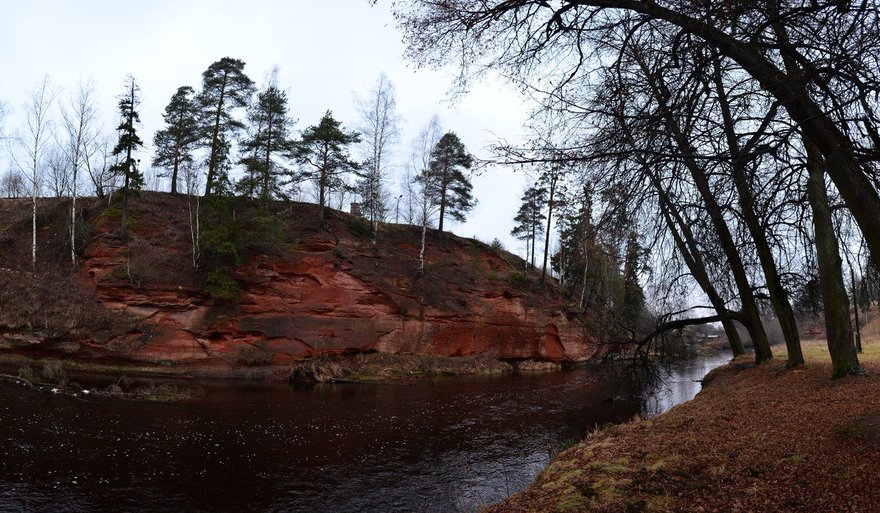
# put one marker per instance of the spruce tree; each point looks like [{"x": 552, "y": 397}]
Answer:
[
  {"x": 225, "y": 87},
  {"x": 324, "y": 155},
  {"x": 632, "y": 305},
  {"x": 268, "y": 141},
  {"x": 447, "y": 183},
  {"x": 126, "y": 146},
  {"x": 176, "y": 142}
]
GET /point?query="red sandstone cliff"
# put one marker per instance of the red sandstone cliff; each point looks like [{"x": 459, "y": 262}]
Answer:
[{"x": 332, "y": 291}]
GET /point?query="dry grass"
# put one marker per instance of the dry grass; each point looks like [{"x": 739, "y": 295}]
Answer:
[
  {"x": 762, "y": 439},
  {"x": 55, "y": 305},
  {"x": 378, "y": 367},
  {"x": 816, "y": 350}
]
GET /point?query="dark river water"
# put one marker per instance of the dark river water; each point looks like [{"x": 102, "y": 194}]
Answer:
[{"x": 451, "y": 445}]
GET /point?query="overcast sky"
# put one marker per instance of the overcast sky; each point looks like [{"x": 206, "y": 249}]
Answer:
[{"x": 327, "y": 52}]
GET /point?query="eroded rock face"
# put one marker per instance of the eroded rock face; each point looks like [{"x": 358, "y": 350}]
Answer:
[
  {"x": 333, "y": 294},
  {"x": 315, "y": 304}
]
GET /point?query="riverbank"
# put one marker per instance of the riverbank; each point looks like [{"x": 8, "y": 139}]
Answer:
[
  {"x": 755, "y": 439},
  {"x": 360, "y": 368}
]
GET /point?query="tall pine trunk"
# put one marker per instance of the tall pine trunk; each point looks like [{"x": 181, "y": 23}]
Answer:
[
  {"x": 215, "y": 140},
  {"x": 550, "y": 201}
]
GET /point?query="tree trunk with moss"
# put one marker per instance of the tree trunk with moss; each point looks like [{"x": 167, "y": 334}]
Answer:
[{"x": 838, "y": 330}]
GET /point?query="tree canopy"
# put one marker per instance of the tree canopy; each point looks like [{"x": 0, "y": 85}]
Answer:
[
  {"x": 446, "y": 181},
  {"x": 177, "y": 141},
  {"x": 324, "y": 152},
  {"x": 225, "y": 87}
]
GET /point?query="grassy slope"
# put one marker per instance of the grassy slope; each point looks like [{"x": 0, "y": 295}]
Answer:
[{"x": 760, "y": 439}]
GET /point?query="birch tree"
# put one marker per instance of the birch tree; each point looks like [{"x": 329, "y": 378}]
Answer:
[
  {"x": 420, "y": 161},
  {"x": 379, "y": 130},
  {"x": 78, "y": 119},
  {"x": 34, "y": 143}
]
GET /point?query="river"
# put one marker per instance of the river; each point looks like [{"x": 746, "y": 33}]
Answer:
[{"x": 450, "y": 445}]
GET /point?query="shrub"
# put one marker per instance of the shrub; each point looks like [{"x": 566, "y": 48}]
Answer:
[
  {"x": 358, "y": 226},
  {"x": 516, "y": 278},
  {"x": 496, "y": 245},
  {"x": 254, "y": 356},
  {"x": 220, "y": 285}
]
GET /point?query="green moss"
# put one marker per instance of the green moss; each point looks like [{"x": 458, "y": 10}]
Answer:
[
  {"x": 618, "y": 467},
  {"x": 570, "y": 499},
  {"x": 851, "y": 431}
]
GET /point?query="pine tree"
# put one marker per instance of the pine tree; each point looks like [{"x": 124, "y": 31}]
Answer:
[
  {"x": 529, "y": 219},
  {"x": 324, "y": 154},
  {"x": 552, "y": 178},
  {"x": 128, "y": 143},
  {"x": 447, "y": 184},
  {"x": 269, "y": 140},
  {"x": 225, "y": 87},
  {"x": 176, "y": 142}
]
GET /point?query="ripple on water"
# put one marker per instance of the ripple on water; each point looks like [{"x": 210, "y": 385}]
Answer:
[{"x": 446, "y": 446}]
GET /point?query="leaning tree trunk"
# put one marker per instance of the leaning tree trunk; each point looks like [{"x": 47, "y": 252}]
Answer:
[
  {"x": 838, "y": 330},
  {"x": 753, "y": 322},
  {"x": 843, "y": 167},
  {"x": 778, "y": 294},
  {"x": 553, "y": 179},
  {"x": 684, "y": 241}
]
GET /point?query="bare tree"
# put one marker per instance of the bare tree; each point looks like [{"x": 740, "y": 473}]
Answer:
[
  {"x": 57, "y": 174},
  {"x": 379, "y": 132},
  {"x": 78, "y": 118},
  {"x": 828, "y": 92},
  {"x": 33, "y": 142},
  {"x": 98, "y": 160},
  {"x": 3, "y": 111},
  {"x": 12, "y": 184}
]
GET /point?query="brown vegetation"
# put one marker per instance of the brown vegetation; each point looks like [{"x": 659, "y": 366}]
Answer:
[
  {"x": 383, "y": 368},
  {"x": 758, "y": 438},
  {"x": 55, "y": 306}
]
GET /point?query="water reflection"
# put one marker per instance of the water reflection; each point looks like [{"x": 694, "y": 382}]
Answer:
[
  {"x": 681, "y": 385},
  {"x": 453, "y": 445}
]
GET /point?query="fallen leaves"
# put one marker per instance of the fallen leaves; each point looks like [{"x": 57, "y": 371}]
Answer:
[{"x": 759, "y": 439}]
